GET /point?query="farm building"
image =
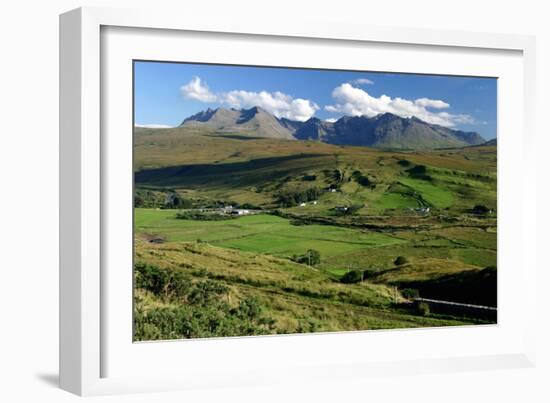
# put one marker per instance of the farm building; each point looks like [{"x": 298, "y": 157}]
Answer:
[{"x": 240, "y": 212}]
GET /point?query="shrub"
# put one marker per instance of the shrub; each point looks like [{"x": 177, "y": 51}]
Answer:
[
  {"x": 410, "y": 293},
  {"x": 419, "y": 172},
  {"x": 196, "y": 308},
  {"x": 352, "y": 277},
  {"x": 404, "y": 163},
  {"x": 400, "y": 260},
  {"x": 314, "y": 257},
  {"x": 311, "y": 258},
  {"x": 424, "y": 309},
  {"x": 291, "y": 198},
  {"x": 480, "y": 209},
  {"x": 149, "y": 199},
  {"x": 198, "y": 216},
  {"x": 336, "y": 175},
  {"x": 174, "y": 200},
  {"x": 361, "y": 179},
  {"x": 139, "y": 201}
]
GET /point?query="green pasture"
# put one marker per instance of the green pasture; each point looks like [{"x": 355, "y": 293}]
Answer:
[
  {"x": 437, "y": 196},
  {"x": 261, "y": 233}
]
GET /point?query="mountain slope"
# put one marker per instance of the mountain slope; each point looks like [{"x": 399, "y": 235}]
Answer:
[
  {"x": 391, "y": 131},
  {"x": 314, "y": 129},
  {"x": 382, "y": 131},
  {"x": 254, "y": 122}
]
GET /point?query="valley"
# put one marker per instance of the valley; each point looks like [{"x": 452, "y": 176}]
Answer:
[{"x": 253, "y": 231}]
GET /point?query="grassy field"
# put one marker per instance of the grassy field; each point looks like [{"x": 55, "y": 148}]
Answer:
[
  {"x": 285, "y": 297},
  {"x": 200, "y": 277},
  {"x": 266, "y": 234}
]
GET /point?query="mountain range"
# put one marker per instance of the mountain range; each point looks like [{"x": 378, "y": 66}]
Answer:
[{"x": 381, "y": 131}]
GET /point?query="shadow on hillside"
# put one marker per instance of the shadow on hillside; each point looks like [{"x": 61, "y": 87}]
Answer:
[{"x": 234, "y": 174}]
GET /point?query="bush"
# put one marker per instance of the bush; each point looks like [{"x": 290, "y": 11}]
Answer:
[
  {"x": 174, "y": 200},
  {"x": 419, "y": 172},
  {"x": 149, "y": 198},
  {"x": 293, "y": 198},
  {"x": 352, "y": 277},
  {"x": 196, "y": 308},
  {"x": 404, "y": 163},
  {"x": 480, "y": 209},
  {"x": 216, "y": 320},
  {"x": 424, "y": 309},
  {"x": 410, "y": 293},
  {"x": 400, "y": 260},
  {"x": 361, "y": 179},
  {"x": 198, "y": 216},
  {"x": 311, "y": 258},
  {"x": 334, "y": 174}
]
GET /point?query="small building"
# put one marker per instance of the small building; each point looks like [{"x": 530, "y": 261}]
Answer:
[
  {"x": 240, "y": 212},
  {"x": 227, "y": 209},
  {"x": 422, "y": 210},
  {"x": 314, "y": 202}
]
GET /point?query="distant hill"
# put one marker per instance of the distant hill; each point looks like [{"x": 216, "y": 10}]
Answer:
[
  {"x": 492, "y": 142},
  {"x": 386, "y": 130},
  {"x": 254, "y": 122}
]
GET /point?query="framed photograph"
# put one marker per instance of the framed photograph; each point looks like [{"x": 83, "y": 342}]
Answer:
[{"x": 238, "y": 197}]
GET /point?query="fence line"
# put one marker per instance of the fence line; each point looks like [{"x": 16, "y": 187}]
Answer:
[{"x": 459, "y": 304}]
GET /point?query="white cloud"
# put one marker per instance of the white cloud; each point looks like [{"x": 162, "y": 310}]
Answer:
[
  {"x": 353, "y": 101},
  {"x": 195, "y": 89},
  {"x": 331, "y": 120},
  {"x": 431, "y": 103},
  {"x": 154, "y": 126},
  {"x": 277, "y": 103},
  {"x": 362, "y": 81}
]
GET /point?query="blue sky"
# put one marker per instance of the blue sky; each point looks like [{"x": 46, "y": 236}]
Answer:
[{"x": 166, "y": 93}]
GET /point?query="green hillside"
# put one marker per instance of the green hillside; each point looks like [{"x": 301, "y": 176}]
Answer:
[
  {"x": 226, "y": 225},
  {"x": 198, "y": 290},
  {"x": 257, "y": 171}
]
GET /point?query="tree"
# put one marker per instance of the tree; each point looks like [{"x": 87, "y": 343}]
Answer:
[
  {"x": 138, "y": 201},
  {"x": 352, "y": 277},
  {"x": 314, "y": 257},
  {"x": 311, "y": 258}
]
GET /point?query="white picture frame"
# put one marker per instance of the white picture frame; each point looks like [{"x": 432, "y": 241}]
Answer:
[{"x": 94, "y": 350}]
